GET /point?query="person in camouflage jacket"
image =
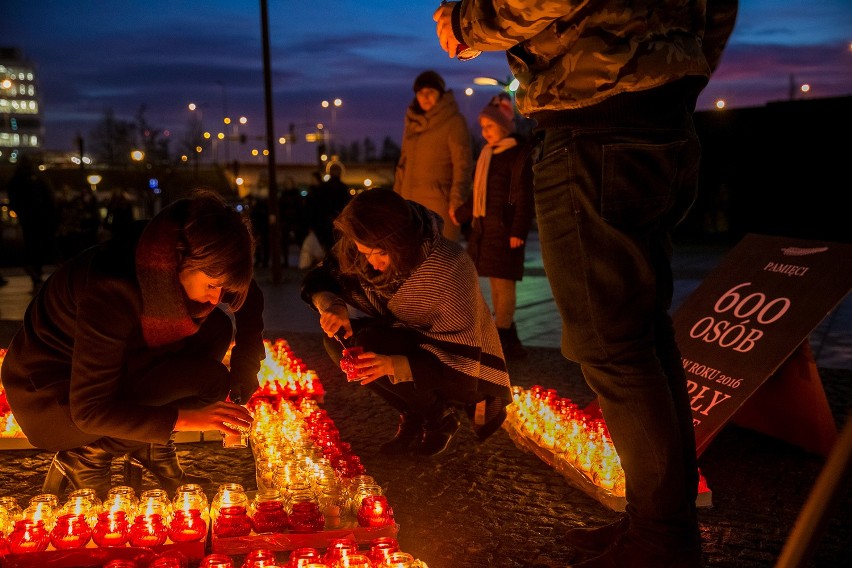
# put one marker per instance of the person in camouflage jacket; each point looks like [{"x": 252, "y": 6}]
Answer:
[{"x": 612, "y": 85}]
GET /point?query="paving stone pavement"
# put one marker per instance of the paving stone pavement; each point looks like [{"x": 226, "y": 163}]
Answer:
[
  {"x": 497, "y": 506},
  {"x": 494, "y": 505}
]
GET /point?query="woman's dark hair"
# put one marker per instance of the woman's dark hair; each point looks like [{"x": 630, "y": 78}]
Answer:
[
  {"x": 379, "y": 219},
  {"x": 217, "y": 240}
]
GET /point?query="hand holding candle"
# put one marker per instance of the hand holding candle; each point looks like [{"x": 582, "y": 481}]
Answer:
[{"x": 365, "y": 366}]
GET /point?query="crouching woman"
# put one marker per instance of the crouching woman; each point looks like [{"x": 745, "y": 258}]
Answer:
[{"x": 430, "y": 343}]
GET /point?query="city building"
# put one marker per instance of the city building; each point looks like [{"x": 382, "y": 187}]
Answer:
[{"x": 21, "y": 126}]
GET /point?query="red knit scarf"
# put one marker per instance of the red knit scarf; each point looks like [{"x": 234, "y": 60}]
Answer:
[{"x": 166, "y": 316}]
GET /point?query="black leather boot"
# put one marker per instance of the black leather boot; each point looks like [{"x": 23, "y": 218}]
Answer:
[
  {"x": 438, "y": 435},
  {"x": 410, "y": 429},
  {"x": 511, "y": 343},
  {"x": 163, "y": 463},
  {"x": 596, "y": 539},
  {"x": 84, "y": 467}
]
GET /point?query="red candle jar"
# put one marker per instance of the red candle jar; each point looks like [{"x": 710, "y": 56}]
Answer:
[
  {"x": 28, "y": 536},
  {"x": 70, "y": 531},
  {"x": 216, "y": 561},
  {"x": 380, "y": 549},
  {"x": 269, "y": 517},
  {"x": 232, "y": 521},
  {"x": 121, "y": 563},
  {"x": 148, "y": 531},
  {"x": 170, "y": 559},
  {"x": 111, "y": 529},
  {"x": 349, "y": 361},
  {"x": 303, "y": 557},
  {"x": 338, "y": 549},
  {"x": 306, "y": 517},
  {"x": 259, "y": 558},
  {"x": 187, "y": 526},
  {"x": 374, "y": 511}
]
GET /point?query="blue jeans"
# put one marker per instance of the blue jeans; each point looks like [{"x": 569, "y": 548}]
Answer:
[{"x": 607, "y": 194}]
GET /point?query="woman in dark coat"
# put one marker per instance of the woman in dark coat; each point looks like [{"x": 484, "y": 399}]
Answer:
[
  {"x": 429, "y": 338},
  {"x": 123, "y": 345},
  {"x": 501, "y": 208}
]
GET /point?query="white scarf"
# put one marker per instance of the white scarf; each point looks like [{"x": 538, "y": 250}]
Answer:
[{"x": 480, "y": 177}]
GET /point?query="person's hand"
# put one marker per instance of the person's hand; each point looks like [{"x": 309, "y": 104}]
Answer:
[
  {"x": 243, "y": 388},
  {"x": 335, "y": 318},
  {"x": 515, "y": 242},
  {"x": 443, "y": 17},
  {"x": 373, "y": 366},
  {"x": 227, "y": 417}
]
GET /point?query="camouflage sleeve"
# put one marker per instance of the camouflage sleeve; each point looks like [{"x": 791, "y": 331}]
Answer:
[
  {"x": 494, "y": 25},
  {"x": 721, "y": 16}
]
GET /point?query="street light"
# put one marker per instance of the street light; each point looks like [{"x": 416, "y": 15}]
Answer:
[
  {"x": 94, "y": 180},
  {"x": 333, "y": 105}
]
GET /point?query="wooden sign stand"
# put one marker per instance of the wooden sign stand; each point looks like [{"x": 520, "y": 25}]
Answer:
[{"x": 791, "y": 406}]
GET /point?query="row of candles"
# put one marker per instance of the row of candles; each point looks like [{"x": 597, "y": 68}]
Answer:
[
  {"x": 308, "y": 480},
  {"x": 282, "y": 376},
  {"x": 577, "y": 439}
]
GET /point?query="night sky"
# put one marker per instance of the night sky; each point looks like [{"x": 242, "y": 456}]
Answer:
[{"x": 97, "y": 55}]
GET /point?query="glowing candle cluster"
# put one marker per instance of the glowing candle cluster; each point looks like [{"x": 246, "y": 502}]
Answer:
[
  {"x": 8, "y": 426},
  {"x": 283, "y": 375},
  {"x": 576, "y": 439},
  {"x": 121, "y": 520}
]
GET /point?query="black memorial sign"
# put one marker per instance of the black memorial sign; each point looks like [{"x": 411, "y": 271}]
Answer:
[{"x": 749, "y": 315}]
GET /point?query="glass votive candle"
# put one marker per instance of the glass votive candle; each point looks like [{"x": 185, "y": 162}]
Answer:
[
  {"x": 355, "y": 560},
  {"x": 121, "y": 498},
  {"x": 191, "y": 496},
  {"x": 381, "y": 547},
  {"x": 216, "y": 561},
  {"x": 398, "y": 559},
  {"x": 111, "y": 529},
  {"x": 349, "y": 361},
  {"x": 302, "y": 557},
  {"x": 11, "y": 506},
  {"x": 227, "y": 494},
  {"x": 170, "y": 559},
  {"x": 121, "y": 563},
  {"x": 305, "y": 517},
  {"x": 231, "y": 521},
  {"x": 187, "y": 525},
  {"x": 259, "y": 558},
  {"x": 28, "y": 535},
  {"x": 268, "y": 514},
  {"x": 80, "y": 504},
  {"x": 155, "y": 502},
  {"x": 375, "y": 511},
  {"x": 238, "y": 440},
  {"x": 148, "y": 530},
  {"x": 338, "y": 549},
  {"x": 42, "y": 508},
  {"x": 71, "y": 530}
]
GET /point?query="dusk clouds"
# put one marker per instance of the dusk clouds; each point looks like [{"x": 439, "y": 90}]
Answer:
[{"x": 97, "y": 55}]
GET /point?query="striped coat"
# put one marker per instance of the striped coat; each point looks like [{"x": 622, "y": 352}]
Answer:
[{"x": 441, "y": 302}]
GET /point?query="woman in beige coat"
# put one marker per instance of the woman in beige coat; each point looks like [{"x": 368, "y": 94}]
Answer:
[{"x": 435, "y": 168}]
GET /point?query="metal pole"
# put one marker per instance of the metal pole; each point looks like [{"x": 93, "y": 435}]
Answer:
[
  {"x": 274, "y": 240},
  {"x": 821, "y": 503}
]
